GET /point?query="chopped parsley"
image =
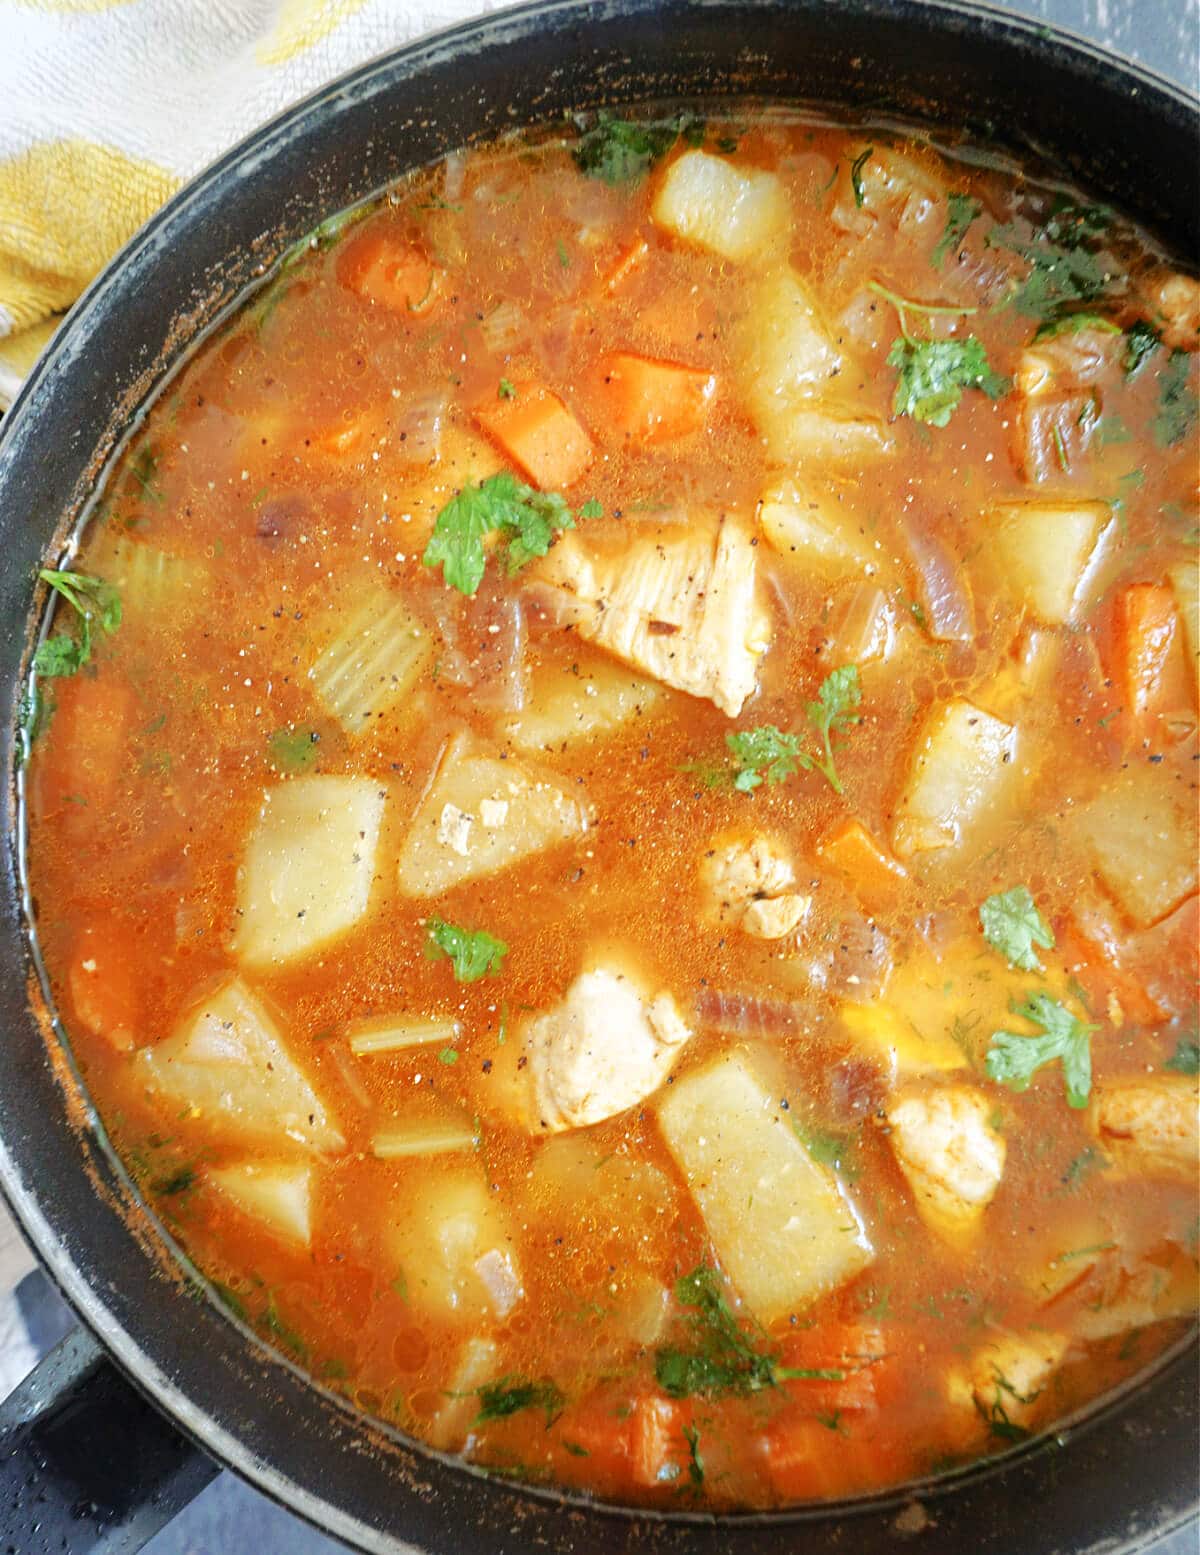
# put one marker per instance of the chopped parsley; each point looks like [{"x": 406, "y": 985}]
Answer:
[
  {"x": 1142, "y": 340},
  {"x": 1186, "y": 1057},
  {"x": 932, "y": 374},
  {"x": 771, "y": 755},
  {"x": 509, "y": 1395},
  {"x": 721, "y": 1358},
  {"x": 839, "y": 697},
  {"x": 526, "y": 519},
  {"x": 856, "y": 170},
  {"x": 283, "y": 1331},
  {"x": 1177, "y": 402},
  {"x": 1062, "y": 267},
  {"x": 618, "y": 152},
  {"x": 761, "y": 755},
  {"x": 695, "y": 1463},
  {"x": 181, "y": 1180},
  {"x": 293, "y": 750},
  {"x": 448, "y": 1055},
  {"x": 1072, "y": 324},
  {"x": 1012, "y": 925},
  {"x": 474, "y": 953},
  {"x": 92, "y": 600},
  {"x": 1014, "y": 1058},
  {"x": 964, "y": 208},
  {"x": 505, "y": 391},
  {"x": 828, "y": 1148}
]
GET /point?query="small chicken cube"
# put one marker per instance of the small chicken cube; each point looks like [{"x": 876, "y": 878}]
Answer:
[
  {"x": 746, "y": 881},
  {"x": 950, "y": 1153},
  {"x": 1010, "y": 1373},
  {"x": 1150, "y": 1126},
  {"x": 775, "y": 917},
  {"x": 1174, "y": 301},
  {"x": 605, "y": 1048}
]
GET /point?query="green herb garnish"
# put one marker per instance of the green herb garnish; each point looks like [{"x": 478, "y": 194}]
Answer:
[
  {"x": 1012, "y": 925},
  {"x": 1014, "y": 1058},
  {"x": 1062, "y": 270},
  {"x": 293, "y": 750},
  {"x": 92, "y": 600},
  {"x": 1141, "y": 341},
  {"x": 474, "y": 953},
  {"x": 180, "y": 1180},
  {"x": 526, "y": 519},
  {"x": 509, "y": 1395},
  {"x": 932, "y": 375},
  {"x": 1072, "y": 323},
  {"x": 839, "y": 697},
  {"x": 964, "y": 208},
  {"x": 618, "y": 152},
  {"x": 761, "y": 755},
  {"x": 1177, "y": 404},
  {"x": 771, "y": 755},
  {"x": 856, "y": 183},
  {"x": 1186, "y": 1057},
  {"x": 506, "y": 391}
]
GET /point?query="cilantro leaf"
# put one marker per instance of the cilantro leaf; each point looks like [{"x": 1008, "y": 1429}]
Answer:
[
  {"x": 528, "y": 519},
  {"x": 1186, "y": 1057},
  {"x": 839, "y": 697},
  {"x": 618, "y": 152},
  {"x": 505, "y": 390},
  {"x": 1141, "y": 341},
  {"x": 1012, "y": 925},
  {"x": 292, "y": 750},
  {"x": 765, "y": 753},
  {"x": 1072, "y": 323},
  {"x": 474, "y": 953},
  {"x": 509, "y": 1395},
  {"x": 62, "y": 655},
  {"x": 1062, "y": 267},
  {"x": 92, "y": 600},
  {"x": 1177, "y": 405},
  {"x": 856, "y": 183},
  {"x": 1014, "y": 1059},
  {"x": 964, "y": 208},
  {"x": 932, "y": 375}
]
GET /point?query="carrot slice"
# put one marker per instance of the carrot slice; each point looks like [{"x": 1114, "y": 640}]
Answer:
[
  {"x": 538, "y": 433},
  {"x": 651, "y": 402},
  {"x": 102, "y": 988},
  {"x": 858, "y": 1351},
  {"x": 808, "y": 1458},
  {"x": 1146, "y": 625},
  {"x": 876, "y": 876},
  {"x": 383, "y": 268},
  {"x": 637, "y": 1447}
]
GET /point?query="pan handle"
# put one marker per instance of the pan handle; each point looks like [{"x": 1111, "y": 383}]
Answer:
[{"x": 86, "y": 1463}]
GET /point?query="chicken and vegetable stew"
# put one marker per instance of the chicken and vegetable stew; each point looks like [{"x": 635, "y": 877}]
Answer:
[{"x": 612, "y": 807}]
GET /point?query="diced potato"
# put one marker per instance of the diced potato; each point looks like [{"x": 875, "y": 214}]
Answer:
[
  {"x": 1140, "y": 832},
  {"x": 585, "y": 702},
  {"x": 709, "y": 203},
  {"x": 1046, "y": 552},
  {"x": 951, "y": 1155},
  {"x": 226, "y": 1062},
  {"x": 1011, "y": 1371},
  {"x": 883, "y": 1032},
  {"x": 279, "y": 1195},
  {"x": 479, "y": 1363},
  {"x": 1185, "y": 580},
  {"x": 450, "y": 839},
  {"x": 1068, "y": 1253},
  {"x": 573, "y": 1179},
  {"x": 309, "y": 866},
  {"x": 396, "y": 1035},
  {"x": 811, "y": 527},
  {"x": 1150, "y": 1124},
  {"x": 962, "y": 761},
  {"x": 373, "y": 662},
  {"x": 779, "y": 1222},
  {"x": 453, "y": 1247},
  {"x": 833, "y": 434}
]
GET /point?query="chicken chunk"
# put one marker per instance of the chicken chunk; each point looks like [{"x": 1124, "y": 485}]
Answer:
[
  {"x": 1149, "y": 1126},
  {"x": 746, "y": 881},
  {"x": 951, "y": 1155},
  {"x": 684, "y": 609},
  {"x": 1010, "y": 1373},
  {"x": 1174, "y": 300},
  {"x": 606, "y": 1047}
]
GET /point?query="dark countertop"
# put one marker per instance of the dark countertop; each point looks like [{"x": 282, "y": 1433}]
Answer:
[{"x": 229, "y": 1518}]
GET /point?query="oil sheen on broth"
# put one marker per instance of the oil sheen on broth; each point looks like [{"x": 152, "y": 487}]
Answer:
[{"x": 625, "y": 880}]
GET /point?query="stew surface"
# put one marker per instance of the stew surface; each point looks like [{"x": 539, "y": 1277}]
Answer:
[{"x": 612, "y": 807}]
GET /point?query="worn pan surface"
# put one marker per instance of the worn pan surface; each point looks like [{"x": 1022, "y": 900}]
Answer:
[{"x": 1109, "y": 1481}]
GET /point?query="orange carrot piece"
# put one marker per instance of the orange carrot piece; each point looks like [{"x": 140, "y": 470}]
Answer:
[
  {"x": 383, "y": 268},
  {"x": 650, "y": 402},
  {"x": 538, "y": 433},
  {"x": 1146, "y": 624},
  {"x": 808, "y": 1458},
  {"x": 102, "y": 989},
  {"x": 876, "y": 876},
  {"x": 859, "y": 1351},
  {"x": 637, "y": 1448},
  {"x": 630, "y": 259}
]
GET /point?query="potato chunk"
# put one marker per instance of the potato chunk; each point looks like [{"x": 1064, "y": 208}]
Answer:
[
  {"x": 683, "y": 607},
  {"x": 779, "y": 1222},
  {"x": 481, "y": 815},
  {"x": 709, "y": 203},
  {"x": 1150, "y": 1125},
  {"x": 372, "y": 663},
  {"x": 809, "y": 526},
  {"x": 1046, "y": 550},
  {"x": 1141, "y": 835},
  {"x": 453, "y": 1248},
  {"x": 605, "y": 1048},
  {"x": 951, "y": 1155},
  {"x": 308, "y": 868},
  {"x": 961, "y": 762},
  {"x": 569, "y": 706},
  {"x": 226, "y": 1062},
  {"x": 279, "y": 1195}
]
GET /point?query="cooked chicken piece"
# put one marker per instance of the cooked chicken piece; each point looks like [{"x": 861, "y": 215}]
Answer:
[
  {"x": 1010, "y": 1372},
  {"x": 683, "y": 608},
  {"x": 746, "y": 882},
  {"x": 1165, "y": 1286},
  {"x": 951, "y": 1155},
  {"x": 1150, "y": 1126},
  {"x": 1174, "y": 301},
  {"x": 606, "y": 1047}
]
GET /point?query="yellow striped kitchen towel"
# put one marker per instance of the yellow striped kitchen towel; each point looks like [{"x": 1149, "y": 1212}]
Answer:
[{"x": 107, "y": 106}]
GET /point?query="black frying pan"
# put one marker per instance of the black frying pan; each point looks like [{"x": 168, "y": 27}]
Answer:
[{"x": 86, "y": 1462}]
